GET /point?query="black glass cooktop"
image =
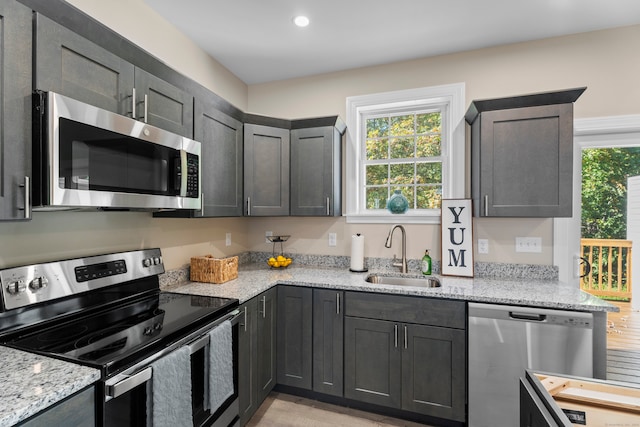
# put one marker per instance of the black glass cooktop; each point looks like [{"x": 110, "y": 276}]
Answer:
[{"x": 118, "y": 336}]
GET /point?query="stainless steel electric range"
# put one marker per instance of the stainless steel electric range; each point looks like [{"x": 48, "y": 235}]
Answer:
[{"x": 108, "y": 312}]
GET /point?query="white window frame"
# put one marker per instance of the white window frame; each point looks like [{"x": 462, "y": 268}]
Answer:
[{"x": 452, "y": 96}]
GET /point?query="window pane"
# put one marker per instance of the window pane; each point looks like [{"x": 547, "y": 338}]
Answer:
[
  {"x": 429, "y": 122},
  {"x": 428, "y": 146},
  {"x": 402, "y": 125},
  {"x": 401, "y": 174},
  {"x": 429, "y": 173},
  {"x": 377, "y": 149},
  {"x": 429, "y": 197},
  {"x": 376, "y": 198},
  {"x": 401, "y": 148},
  {"x": 377, "y": 127},
  {"x": 377, "y": 175}
]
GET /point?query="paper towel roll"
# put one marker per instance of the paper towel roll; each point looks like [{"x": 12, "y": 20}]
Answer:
[{"x": 357, "y": 253}]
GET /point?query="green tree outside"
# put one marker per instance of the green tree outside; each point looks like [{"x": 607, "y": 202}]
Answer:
[{"x": 604, "y": 190}]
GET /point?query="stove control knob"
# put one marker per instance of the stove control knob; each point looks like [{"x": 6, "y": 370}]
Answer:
[
  {"x": 16, "y": 287},
  {"x": 156, "y": 261},
  {"x": 146, "y": 262},
  {"x": 147, "y": 331},
  {"x": 38, "y": 283}
]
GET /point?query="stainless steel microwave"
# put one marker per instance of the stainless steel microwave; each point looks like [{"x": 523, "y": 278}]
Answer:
[{"x": 87, "y": 157}]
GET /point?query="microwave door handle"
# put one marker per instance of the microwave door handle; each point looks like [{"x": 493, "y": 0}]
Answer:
[
  {"x": 184, "y": 173},
  {"x": 129, "y": 383}
]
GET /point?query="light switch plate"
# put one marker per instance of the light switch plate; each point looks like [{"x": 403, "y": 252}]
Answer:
[
  {"x": 333, "y": 239},
  {"x": 268, "y": 233},
  {"x": 483, "y": 246},
  {"x": 227, "y": 240}
]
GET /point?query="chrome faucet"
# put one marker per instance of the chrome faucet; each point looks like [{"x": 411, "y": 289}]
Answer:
[{"x": 403, "y": 262}]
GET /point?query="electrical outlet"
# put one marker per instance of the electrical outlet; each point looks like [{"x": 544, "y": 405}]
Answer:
[
  {"x": 529, "y": 244},
  {"x": 333, "y": 239},
  {"x": 268, "y": 233},
  {"x": 227, "y": 240},
  {"x": 483, "y": 246}
]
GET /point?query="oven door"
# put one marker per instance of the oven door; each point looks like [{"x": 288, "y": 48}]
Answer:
[{"x": 127, "y": 394}]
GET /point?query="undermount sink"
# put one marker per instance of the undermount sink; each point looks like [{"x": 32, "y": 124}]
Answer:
[{"x": 426, "y": 282}]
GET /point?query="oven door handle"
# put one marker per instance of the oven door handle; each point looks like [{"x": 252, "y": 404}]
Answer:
[
  {"x": 204, "y": 340},
  {"x": 129, "y": 383}
]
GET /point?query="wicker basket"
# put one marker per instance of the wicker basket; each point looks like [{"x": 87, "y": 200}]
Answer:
[{"x": 213, "y": 270}]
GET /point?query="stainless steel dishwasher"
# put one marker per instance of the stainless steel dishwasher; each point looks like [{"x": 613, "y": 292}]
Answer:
[{"x": 506, "y": 340}]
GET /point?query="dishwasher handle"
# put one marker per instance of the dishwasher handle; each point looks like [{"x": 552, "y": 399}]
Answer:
[{"x": 528, "y": 316}]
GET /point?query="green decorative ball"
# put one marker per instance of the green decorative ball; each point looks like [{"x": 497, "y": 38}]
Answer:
[{"x": 397, "y": 203}]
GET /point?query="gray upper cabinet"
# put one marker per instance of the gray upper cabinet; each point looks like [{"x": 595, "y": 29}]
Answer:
[
  {"x": 522, "y": 155},
  {"x": 222, "y": 161},
  {"x": 161, "y": 104},
  {"x": 72, "y": 65},
  {"x": 266, "y": 170},
  {"x": 15, "y": 110},
  {"x": 316, "y": 168}
]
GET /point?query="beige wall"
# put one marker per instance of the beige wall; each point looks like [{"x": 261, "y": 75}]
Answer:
[{"x": 605, "y": 61}]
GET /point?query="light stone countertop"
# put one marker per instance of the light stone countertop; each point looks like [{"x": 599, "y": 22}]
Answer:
[
  {"x": 31, "y": 383},
  {"x": 254, "y": 279}
]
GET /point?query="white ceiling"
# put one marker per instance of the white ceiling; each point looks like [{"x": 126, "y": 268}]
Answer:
[{"x": 257, "y": 41}]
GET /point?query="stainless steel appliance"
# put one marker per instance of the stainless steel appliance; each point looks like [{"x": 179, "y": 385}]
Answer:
[
  {"x": 506, "y": 340},
  {"x": 87, "y": 157},
  {"x": 107, "y": 312}
]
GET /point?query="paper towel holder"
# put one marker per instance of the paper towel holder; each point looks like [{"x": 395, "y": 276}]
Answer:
[{"x": 364, "y": 269}]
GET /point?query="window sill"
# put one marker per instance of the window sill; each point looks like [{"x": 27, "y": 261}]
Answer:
[{"x": 408, "y": 218}]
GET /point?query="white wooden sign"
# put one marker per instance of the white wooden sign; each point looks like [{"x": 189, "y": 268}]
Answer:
[{"x": 457, "y": 237}]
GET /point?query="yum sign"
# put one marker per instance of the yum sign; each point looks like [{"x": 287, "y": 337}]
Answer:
[{"x": 457, "y": 237}]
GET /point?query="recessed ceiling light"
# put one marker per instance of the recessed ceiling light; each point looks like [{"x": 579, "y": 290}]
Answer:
[{"x": 301, "y": 21}]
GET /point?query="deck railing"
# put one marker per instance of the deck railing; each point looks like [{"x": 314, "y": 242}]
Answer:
[{"x": 610, "y": 261}]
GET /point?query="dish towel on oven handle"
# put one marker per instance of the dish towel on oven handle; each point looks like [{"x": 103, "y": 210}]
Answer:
[
  {"x": 220, "y": 373},
  {"x": 171, "y": 390}
]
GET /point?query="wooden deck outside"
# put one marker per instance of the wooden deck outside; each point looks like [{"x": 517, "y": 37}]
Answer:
[{"x": 623, "y": 344}]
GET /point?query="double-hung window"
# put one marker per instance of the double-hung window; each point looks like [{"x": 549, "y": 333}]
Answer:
[{"x": 411, "y": 142}]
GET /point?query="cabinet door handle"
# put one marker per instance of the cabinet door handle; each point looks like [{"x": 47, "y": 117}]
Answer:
[
  {"x": 133, "y": 103},
  {"x": 264, "y": 306},
  {"x": 248, "y": 205},
  {"x": 486, "y": 205},
  {"x": 328, "y": 207},
  {"x": 395, "y": 335},
  {"x": 406, "y": 337},
  {"x": 338, "y": 303},
  {"x": 244, "y": 325},
  {"x": 27, "y": 197},
  {"x": 146, "y": 107}
]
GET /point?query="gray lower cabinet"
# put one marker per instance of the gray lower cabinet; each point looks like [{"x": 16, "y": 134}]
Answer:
[
  {"x": 257, "y": 352},
  {"x": 71, "y": 65},
  {"x": 77, "y": 410},
  {"x": 295, "y": 317},
  {"x": 310, "y": 339},
  {"x": 328, "y": 341},
  {"x": 407, "y": 353},
  {"x": 266, "y": 170},
  {"x": 522, "y": 155},
  {"x": 15, "y": 109},
  {"x": 316, "y": 169}
]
